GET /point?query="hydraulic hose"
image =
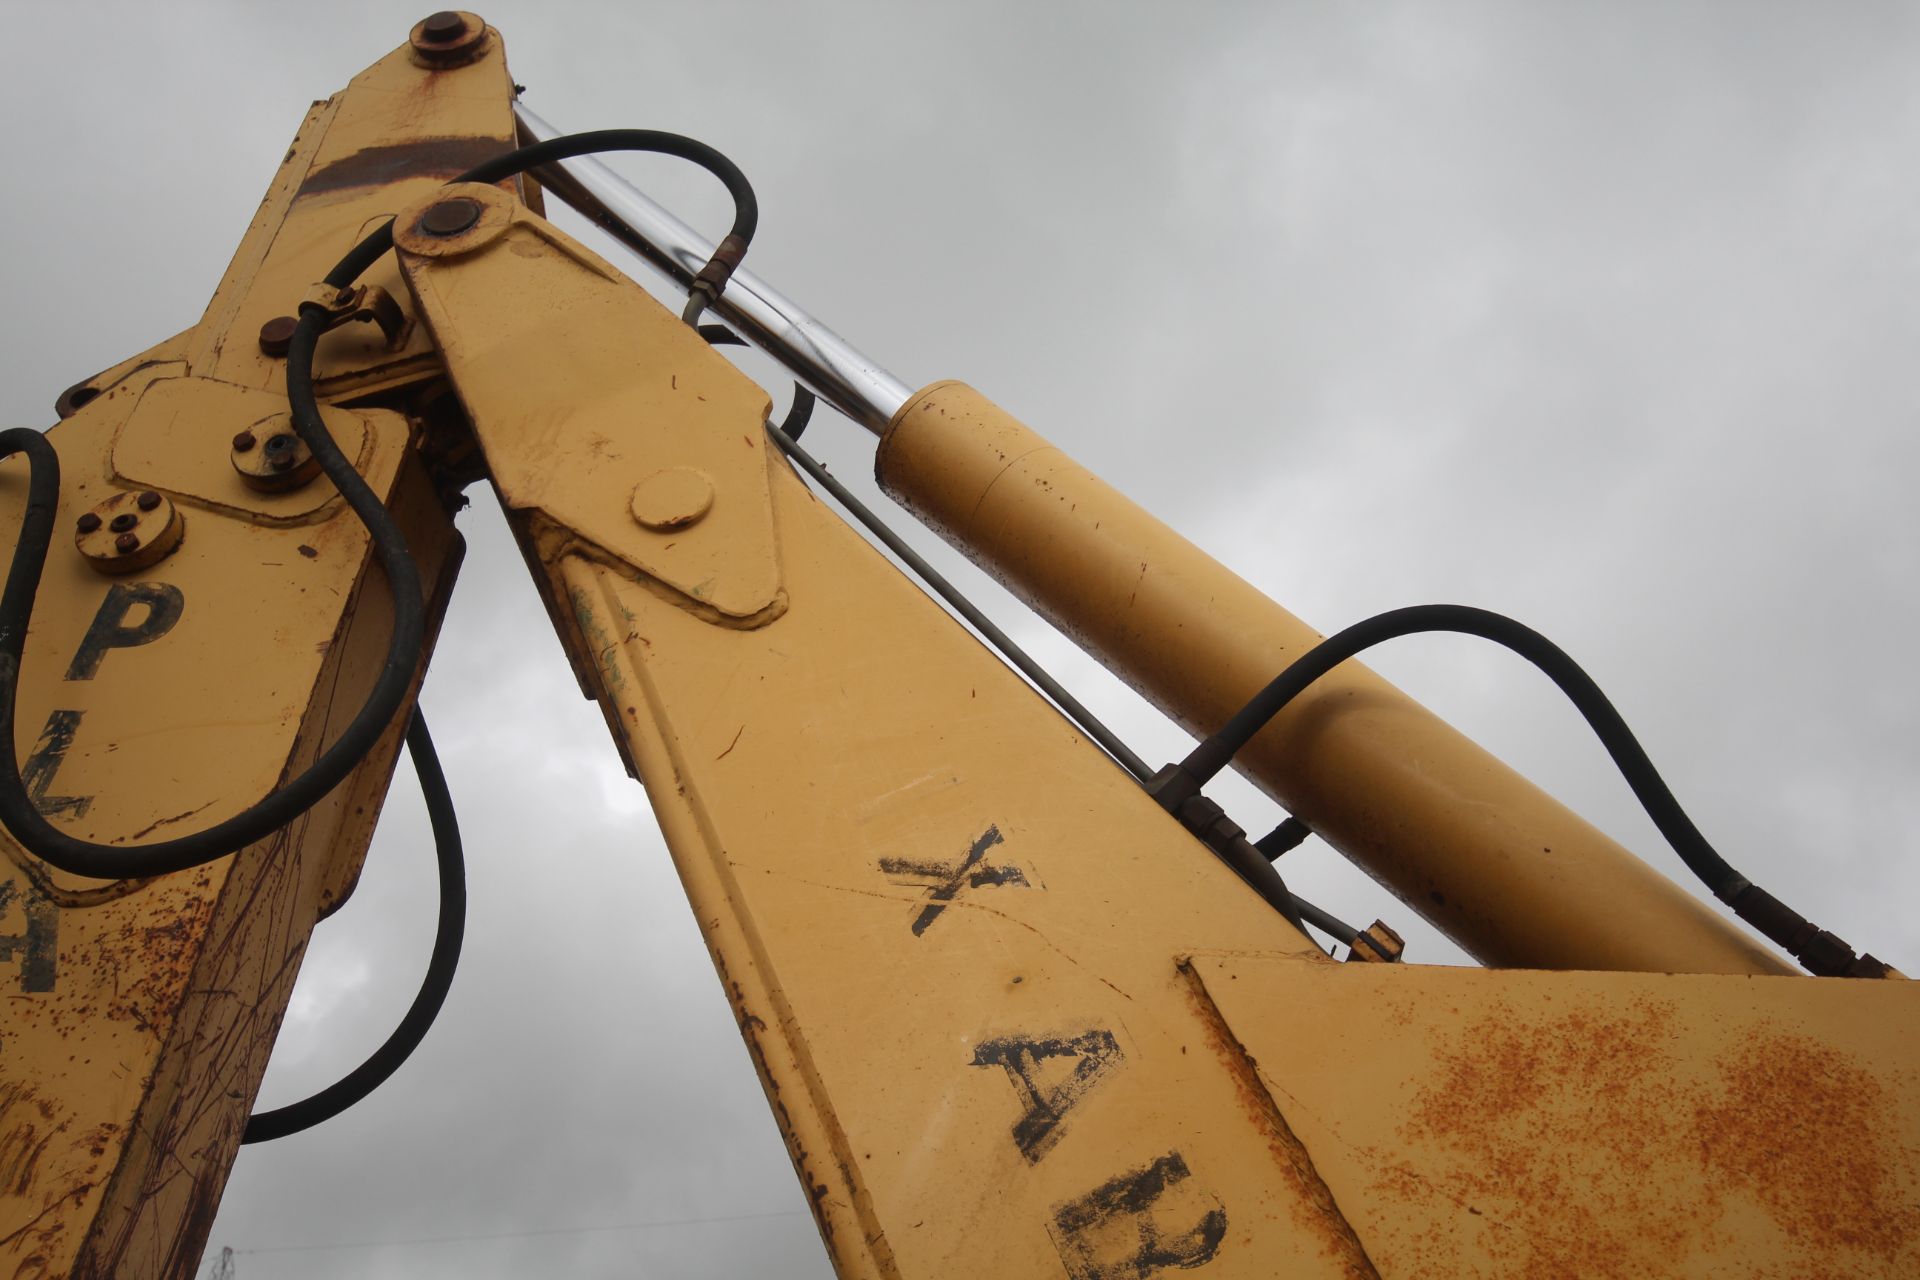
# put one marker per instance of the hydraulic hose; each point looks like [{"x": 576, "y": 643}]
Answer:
[
  {"x": 75, "y": 856},
  {"x": 79, "y": 857},
  {"x": 448, "y": 935},
  {"x": 1821, "y": 952}
]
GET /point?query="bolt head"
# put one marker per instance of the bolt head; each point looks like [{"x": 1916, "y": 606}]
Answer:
[
  {"x": 126, "y": 542},
  {"x": 450, "y": 217},
  {"x": 276, "y": 335},
  {"x": 88, "y": 522},
  {"x": 444, "y": 25},
  {"x": 124, "y": 521},
  {"x": 244, "y": 441},
  {"x": 672, "y": 499},
  {"x": 148, "y": 500}
]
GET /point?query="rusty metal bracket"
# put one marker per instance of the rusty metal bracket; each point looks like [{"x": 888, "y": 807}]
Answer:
[
  {"x": 1176, "y": 791},
  {"x": 362, "y": 303},
  {"x": 1377, "y": 944}
]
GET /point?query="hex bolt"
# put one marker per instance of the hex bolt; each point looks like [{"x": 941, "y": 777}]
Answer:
[
  {"x": 450, "y": 217},
  {"x": 124, "y": 521},
  {"x": 148, "y": 500},
  {"x": 243, "y": 442},
  {"x": 88, "y": 522},
  {"x": 280, "y": 452},
  {"x": 444, "y": 25},
  {"x": 126, "y": 542},
  {"x": 276, "y": 335}
]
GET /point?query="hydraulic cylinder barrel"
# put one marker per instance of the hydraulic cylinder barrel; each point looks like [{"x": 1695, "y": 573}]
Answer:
[{"x": 1495, "y": 863}]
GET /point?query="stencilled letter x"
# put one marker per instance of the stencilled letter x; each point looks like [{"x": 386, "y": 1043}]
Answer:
[{"x": 947, "y": 879}]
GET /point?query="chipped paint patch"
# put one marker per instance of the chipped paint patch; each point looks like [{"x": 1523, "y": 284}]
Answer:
[{"x": 603, "y": 647}]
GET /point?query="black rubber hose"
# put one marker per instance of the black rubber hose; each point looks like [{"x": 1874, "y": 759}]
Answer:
[
  {"x": 799, "y": 409},
  {"x": 746, "y": 206},
  {"x": 1818, "y": 950},
  {"x": 120, "y": 862},
  {"x": 1326, "y": 922},
  {"x": 448, "y": 935},
  {"x": 1649, "y": 788},
  {"x": 1289, "y": 835}
]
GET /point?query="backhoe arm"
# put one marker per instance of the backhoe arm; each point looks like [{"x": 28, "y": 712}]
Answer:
[{"x": 1011, "y": 1017}]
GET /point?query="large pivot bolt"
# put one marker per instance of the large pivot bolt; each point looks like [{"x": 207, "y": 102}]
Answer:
[
  {"x": 128, "y": 531},
  {"x": 457, "y": 219},
  {"x": 449, "y": 38},
  {"x": 450, "y": 217},
  {"x": 276, "y": 335}
]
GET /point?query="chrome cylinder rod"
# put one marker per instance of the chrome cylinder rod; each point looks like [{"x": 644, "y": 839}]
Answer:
[{"x": 814, "y": 354}]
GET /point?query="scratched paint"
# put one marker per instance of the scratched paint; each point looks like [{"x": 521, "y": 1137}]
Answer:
[{"x": 599, "y": 643}]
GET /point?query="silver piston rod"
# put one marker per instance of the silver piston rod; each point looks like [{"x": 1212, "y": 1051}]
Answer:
[{"x": 815, "y": 355}]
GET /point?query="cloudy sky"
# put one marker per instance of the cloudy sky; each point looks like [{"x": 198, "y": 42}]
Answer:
[{"x": 1591, "y": 314}]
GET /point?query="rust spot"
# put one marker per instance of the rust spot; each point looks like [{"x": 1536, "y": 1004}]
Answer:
[
  {"x": 441, "y": 158},
  {"x": 158, "y": 942},
  {"x": 1314, "y": 1209},
  {"x": 1593, "y": 1144},
  {"x": 1812, "y": 1137}
]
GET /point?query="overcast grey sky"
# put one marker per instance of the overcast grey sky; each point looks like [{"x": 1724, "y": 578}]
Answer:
[{"x": 1598, "y": 315}]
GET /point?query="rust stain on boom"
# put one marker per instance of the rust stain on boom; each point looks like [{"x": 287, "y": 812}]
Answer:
[
  {"x": 443, "y": 158},
  {"x": 1805, "y": 1131}
]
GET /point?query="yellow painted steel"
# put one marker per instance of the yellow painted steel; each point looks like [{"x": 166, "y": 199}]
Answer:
[
  {"x": 397, "y": 131},
  {"x": 1490, "y": 859},
  {"x": 948, "y": 926},
  {"x": 1011, "y": 1019},
  {"x": 1510, "y": 1125},
  {"x": 139, "y": 1015}
]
